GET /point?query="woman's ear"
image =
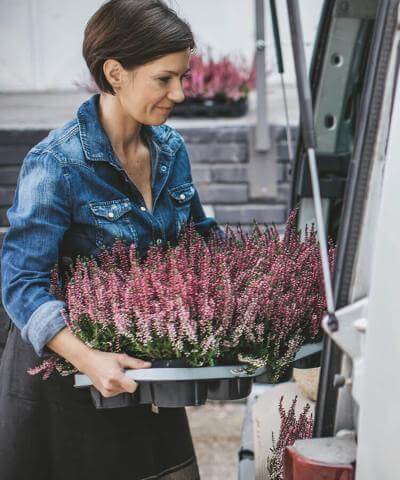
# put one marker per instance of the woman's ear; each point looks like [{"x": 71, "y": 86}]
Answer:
[{"x": 114, "y": 73}]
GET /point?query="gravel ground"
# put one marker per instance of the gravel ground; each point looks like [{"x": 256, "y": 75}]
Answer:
[{"x": 216, "y": 429}]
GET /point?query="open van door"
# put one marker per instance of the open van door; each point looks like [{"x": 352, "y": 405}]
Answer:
[{"x": 356, "y": 111}]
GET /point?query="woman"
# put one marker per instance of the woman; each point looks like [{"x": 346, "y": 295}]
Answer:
[{"x": 114, "y": 171}]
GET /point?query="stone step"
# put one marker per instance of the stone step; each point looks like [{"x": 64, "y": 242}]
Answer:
[
  {"x": 217, "y": 152},
  {"x": 215, "y": 135},
  {"x": 220, "y": 173},
  {"x": 283, "y": 152},
  {"x": 248, "y": 213},
  {"x": 3, "y": 217},
  {"x": 21, "y": 137},
  {"x": 12, "y": 154},
  {"x": 223, "y": 193},
  {"x": 284, "y": 190},
  {"x": 6, "y": 195},
  {"x": 9, "y": 175}
]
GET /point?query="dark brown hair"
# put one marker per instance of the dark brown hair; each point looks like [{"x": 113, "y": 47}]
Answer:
[{"x": 134, "y": 32}]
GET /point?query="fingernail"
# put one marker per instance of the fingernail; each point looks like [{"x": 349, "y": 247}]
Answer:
[{"x": 147, "y": 364}]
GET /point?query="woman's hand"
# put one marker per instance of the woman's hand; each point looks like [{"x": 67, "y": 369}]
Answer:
[{"x": 106, "y": 370}]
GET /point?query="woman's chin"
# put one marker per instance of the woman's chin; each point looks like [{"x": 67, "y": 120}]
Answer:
[
  {"x": 154, "y": 120},
  {"x": 159, "y": 119},
  {"x": 157, "y": 123}
]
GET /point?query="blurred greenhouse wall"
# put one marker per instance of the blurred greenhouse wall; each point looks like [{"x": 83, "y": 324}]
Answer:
[{"x": 40, "y": 40}]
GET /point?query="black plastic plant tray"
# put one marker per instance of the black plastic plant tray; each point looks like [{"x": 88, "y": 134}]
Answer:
[
  {"x": 161, "y": 394},
  {"x": 172, "y": 384},
  {"x": 178, "y": 386},
  {"x": 173, "y": 394},
  {"x": 308, "y": 356},
  {"x": 118, "y": 401},
  {"x": 229, "y": 389}
]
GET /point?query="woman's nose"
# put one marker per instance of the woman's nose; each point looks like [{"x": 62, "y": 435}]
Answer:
[{"x": 177, "y": 95}]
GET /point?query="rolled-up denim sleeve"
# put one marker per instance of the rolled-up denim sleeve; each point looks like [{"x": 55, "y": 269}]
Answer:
[{"x": 39, "y": 217}]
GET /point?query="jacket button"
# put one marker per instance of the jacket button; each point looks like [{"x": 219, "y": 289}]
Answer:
[
  {"x": 111, "y": 215},
  {"x": 182, "y": 196},
  {"x": 143, "y": 209},
  {"x": 163, "y": 169}
]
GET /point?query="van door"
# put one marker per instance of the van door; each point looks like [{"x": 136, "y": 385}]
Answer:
[{"x": 353, "y": 80}]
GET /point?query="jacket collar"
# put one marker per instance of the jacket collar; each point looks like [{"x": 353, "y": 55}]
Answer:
[{"x": 97, "y": 145}]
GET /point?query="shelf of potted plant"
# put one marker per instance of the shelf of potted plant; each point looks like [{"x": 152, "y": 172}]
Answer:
[
  {"x": 216, "y": 88},
  {"x": 210, "y": 315}
]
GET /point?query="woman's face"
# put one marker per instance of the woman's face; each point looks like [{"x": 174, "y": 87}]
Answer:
[{"x": 148, "y": 93}]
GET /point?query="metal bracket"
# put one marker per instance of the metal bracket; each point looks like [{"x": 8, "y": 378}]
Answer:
[
  {"x": 348, "y": 335},
  {"x": 261, "y": 44},
  {"x": 353, "y": 324},
  {"x": 262, "y": 140}
]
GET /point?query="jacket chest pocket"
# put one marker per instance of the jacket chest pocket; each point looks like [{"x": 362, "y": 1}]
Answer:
[
  {"x": 182, "y": 196},
  {"x": 113, "y": 221}
]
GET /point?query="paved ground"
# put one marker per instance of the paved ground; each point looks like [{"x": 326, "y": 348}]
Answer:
[{"x": 216, "y": 431}]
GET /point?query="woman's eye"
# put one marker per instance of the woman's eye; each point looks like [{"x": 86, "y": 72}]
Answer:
[{"x": 164, "y": 79}]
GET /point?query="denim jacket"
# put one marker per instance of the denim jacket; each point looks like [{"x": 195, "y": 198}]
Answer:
[{"x": 73, "y": 197}]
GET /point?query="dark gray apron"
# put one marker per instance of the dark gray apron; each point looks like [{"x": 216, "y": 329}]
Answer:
[{"x": 50, "y": 431}]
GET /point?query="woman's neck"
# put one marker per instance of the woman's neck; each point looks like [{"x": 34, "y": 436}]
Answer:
[{"x": 122, "y": 130}]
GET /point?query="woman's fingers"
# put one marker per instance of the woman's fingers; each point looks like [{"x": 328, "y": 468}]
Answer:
[
  {"x": 106, "y": 371},
  {"x": 117, "y": 383},
  {"x": 130, "y": 362},
  {"x": 127, "y": 384},
  {"x": 124, "y": 383}
]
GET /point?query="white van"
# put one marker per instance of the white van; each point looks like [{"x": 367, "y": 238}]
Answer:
[{"x": 356, "y": 109}]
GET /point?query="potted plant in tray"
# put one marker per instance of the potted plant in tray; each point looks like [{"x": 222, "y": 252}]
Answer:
[
  {"x": 216, "y": 88},
  {"x": 252, "y": 297}
]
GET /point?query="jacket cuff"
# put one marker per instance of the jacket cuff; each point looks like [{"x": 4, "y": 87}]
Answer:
[
  {"x": 205, "y": 226},
  {"x": 44, "y": 323}
]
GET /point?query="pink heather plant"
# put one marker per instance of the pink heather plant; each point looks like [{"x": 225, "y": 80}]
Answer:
[
  {"x": 292, "y": 429},
  {"x": 254, "y": 297},
  {"x": 222, "y": 80},
  {"x": 294, "y": 299}
]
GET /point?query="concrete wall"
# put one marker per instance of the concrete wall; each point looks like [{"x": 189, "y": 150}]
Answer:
[{"x": 40, "y": 40}]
